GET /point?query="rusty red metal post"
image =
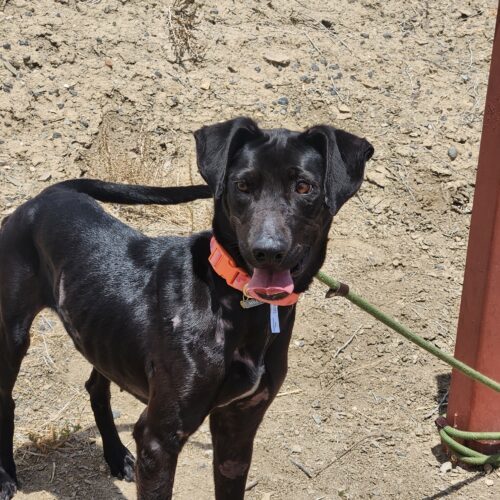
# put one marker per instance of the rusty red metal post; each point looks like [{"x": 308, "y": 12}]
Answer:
[{"x": 472, "y": 406}]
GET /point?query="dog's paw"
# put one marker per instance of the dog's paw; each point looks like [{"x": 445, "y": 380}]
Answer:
[
  {"x": 8, "y": 486},
  {"x": 122, "y": 466}
]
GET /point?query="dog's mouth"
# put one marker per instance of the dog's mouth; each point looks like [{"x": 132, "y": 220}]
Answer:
[{"x": 270, "y": 285}]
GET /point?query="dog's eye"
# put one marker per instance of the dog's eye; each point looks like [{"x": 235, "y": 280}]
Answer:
[
  {"x": 242, "y": 186},
  {"x": 303, "y": 187}
]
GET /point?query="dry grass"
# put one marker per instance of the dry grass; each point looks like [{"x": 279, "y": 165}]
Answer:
[
  {"x": 52, "y": 438},
  {"x": 182, "y": 20},
  {"x": 143, "y": 163}
]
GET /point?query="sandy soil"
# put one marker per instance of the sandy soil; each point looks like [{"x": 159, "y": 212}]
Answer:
[{"x": 114, "y": 89}]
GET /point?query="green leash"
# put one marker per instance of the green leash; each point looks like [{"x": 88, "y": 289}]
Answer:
[{"x": 448, "y": 434}]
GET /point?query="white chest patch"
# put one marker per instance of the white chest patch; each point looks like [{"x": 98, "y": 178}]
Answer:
[{"x": 257, "y": 376}]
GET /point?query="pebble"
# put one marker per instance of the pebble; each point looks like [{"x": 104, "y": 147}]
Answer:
[
  {"x": 452, "y": 152},
  {"x": 23, "y": 42},
  {"x": 314, "y": 67},
  {"x": 56, "y": 135},
  {"x": 268, "y": 85},
  {"x": 446, "y": 467},
  {"x": 489, "y": 482},
  {"x": 6, "y": 46},
  {"x": 299, "y": 343},
  {"x": 257, "y": 69},
  {"x": 334, "y": 66},
  {"x": 316, "y": 404},
  {"x": 365, "y": 35},
  {"x": 283, "y": 101},
  {"x": 343, "y": 108},
  {"x": 387, "y": 35},
  {"x": 317, "y": 419},
  {"x": 45, "y": 177},
  {"x": 158, "y": 74},
  {"x": 116, "y": 414},
  {"x": 306, "y": 79},
  {"x": 277, "y": 59},
  {"x": 488, "y": 468},
  {"x": 295, "y": 448},
  {"x": 465, "y": 78}
]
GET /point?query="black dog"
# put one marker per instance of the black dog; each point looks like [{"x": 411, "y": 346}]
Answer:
[{"x": 153, "y": 316}]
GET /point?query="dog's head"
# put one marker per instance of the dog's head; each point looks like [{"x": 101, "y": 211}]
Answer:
[{"x": 276, "y": 192}]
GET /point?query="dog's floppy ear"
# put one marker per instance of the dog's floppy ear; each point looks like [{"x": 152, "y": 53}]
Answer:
[
  {"x": 217, "y": 144},
  {"x": 345, "y": 156}
]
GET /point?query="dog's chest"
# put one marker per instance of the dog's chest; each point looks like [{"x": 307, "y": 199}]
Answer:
[{"x": 242, "y": 380}]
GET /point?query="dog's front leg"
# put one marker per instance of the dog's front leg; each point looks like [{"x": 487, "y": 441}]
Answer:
[
  {"x": 158, "y": 446},
  {"x": 233, "y": 429}
]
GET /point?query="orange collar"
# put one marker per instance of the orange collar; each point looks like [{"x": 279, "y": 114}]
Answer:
[{"x": 235, "y": 277}]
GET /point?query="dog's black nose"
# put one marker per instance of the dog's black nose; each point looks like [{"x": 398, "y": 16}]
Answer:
[{"x": 269, "y": 251}]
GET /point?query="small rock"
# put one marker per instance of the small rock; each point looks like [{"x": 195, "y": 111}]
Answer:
[
  {"x": 317, "y": 419},
  {"x": 343, "y": 108},
  {"x": 306, "y": 79},
  {"x": 173, "y": 101},
  {"x": 446, "y": 467},
  {"x": 277, "y": 59},
  {"x": 257, "y": 69},
  {"x": 440, "y": 171},
  {"x": 116, "y": 414},
  {"x": 45, "y": 177},
  {"x": 98, "y": 40},
  {"x": 268, "y": 85},
  {"x": 299, "y": 343},
  {"x": 108, "y": 63},
  {"x": 314, "y": 67},
  {"x": 489, "y": 482},
  {"x": 158, "y": 74},
  {"x": 334, "y": 66},
  {"x": 337, "y": 76},
  {"x": 23, "y": 42},
  {"x": 316, "y": 404},
  {"x": 6, "y": 46},
  {"x": 365, "y": 35},
  {"x": 56, "y": 135},
  {"x": 488, "y": 468},
  {"x": 452, "y": 152},
  {"x": 295, "y": 448},
  {"x": 465, "y": 78},
  {"x": 283, "y": 101},
  {"x": 205, "y": 85},
  {"x": 387, "y": 35}
]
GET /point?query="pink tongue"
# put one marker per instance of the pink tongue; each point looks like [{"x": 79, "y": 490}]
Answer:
[{"x": 270, "y": 283}]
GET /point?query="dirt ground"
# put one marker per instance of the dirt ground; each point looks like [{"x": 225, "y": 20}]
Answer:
[{"x": 114, "y": 89}]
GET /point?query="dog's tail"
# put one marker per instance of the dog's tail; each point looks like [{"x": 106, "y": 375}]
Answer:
[{"x": 129, "y": 194}]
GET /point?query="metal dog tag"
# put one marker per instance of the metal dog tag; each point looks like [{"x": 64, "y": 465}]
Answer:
[{"x": 249, "y": 303}]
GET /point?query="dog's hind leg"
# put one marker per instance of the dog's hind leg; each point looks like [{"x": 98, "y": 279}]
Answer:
[{"x": 119, "y": 459}]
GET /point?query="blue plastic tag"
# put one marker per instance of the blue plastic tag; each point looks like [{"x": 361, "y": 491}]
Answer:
[{"x": 275, "y": 319}]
